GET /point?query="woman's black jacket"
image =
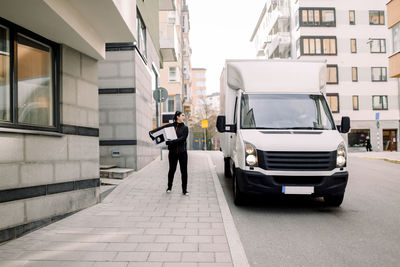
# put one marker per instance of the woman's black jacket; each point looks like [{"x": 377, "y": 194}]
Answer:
[{"x": 182, "y": 132}]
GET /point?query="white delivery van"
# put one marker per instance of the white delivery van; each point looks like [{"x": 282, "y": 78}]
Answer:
[{"x": 278, "y": 133}]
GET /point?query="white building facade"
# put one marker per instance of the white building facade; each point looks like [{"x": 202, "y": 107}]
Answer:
[{"x": 353, "y": 38}]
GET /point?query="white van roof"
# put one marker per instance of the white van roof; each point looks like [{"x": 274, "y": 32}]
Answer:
[{"x": 278, "y": 76}]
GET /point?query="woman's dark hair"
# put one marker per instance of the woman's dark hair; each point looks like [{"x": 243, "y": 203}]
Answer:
[{"x": 178, "y": 113}]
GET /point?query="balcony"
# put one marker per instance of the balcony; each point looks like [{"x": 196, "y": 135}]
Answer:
[
  {"x": 280, "y": 41},
  {"x": 168, "y": 41},
  {"x": 394, "y": 65},
  {"x": 166, "y": 5},
  {"x": 277, "y": 13}
]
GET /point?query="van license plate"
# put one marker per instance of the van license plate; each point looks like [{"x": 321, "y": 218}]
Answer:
[{"x": 298, "y": 190}]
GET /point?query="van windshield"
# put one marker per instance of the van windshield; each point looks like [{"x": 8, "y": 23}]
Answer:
[{"x": 285, "y": 111}]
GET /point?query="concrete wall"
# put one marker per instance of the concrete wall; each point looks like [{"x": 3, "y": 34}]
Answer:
[
  {"x": 28, "y": 160},
  {"x": 117, "y": 111},
  {"x": 127, "y": 116}
]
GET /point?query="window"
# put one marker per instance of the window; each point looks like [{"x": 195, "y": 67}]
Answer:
[
  {"x": 333, "y": 102},
  {"x": 378, "y": 74},
  {"x": 376, "y": 17},
  {"x": 354, "y": 74},
  {"x": 352, "y": 17},
  {"x": 173, "y": 74},
  {"x": 200, "y": 84},
  {"x": 312, "y": 45},
  {"x": 320, "y": 17},
  {"x": 171, "y": 103},
  {"x": 380, "y": 102},
  {"x": 357, "y": 137},
  {"x": 29, "y": 97},
  {"x": 396, "y": 37},
  {"x": 141, "y": 33},
  {"x": 353, "y": 45},
  {"x": 332, "y": 74},
  {"x": 355, "y": 102},
  {"x": 5, "y": 93},
  {"x": 377, "y": 45},
  {"x": 200, "y": 75}
]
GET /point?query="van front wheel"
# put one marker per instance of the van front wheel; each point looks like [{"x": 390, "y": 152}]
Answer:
[
  {"x": 238, "y": 196},
  {"x": 334, "y": 200}
]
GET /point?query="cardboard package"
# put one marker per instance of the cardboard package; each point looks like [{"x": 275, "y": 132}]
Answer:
[{"x": 163, "y": 135}]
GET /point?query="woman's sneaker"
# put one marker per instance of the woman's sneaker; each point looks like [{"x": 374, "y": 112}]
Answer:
[
  {"x": 168, "y": 190},
  {"x": 185, "y": 193}
]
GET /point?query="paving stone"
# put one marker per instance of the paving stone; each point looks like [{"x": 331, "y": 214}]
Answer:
[
  {"x": 198, "y": 239},
  {"x": 181, "y": 247},
  {"x": 198, "y": 257},
  {"x": 136, "y": 225},
  {"x": 165, "y": 256},
  {"x": 132, "y": 256},
  {"x": 152, "y": 247},
  {"x": 169, "y": 239}
]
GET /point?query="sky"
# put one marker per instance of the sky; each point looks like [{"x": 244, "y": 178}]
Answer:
[{"x": 219, "y": 30}]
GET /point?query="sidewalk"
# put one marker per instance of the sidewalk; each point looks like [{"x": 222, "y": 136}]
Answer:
[
  {"x": 393, "y": 157},
  {"x": 139, "y": 224}
]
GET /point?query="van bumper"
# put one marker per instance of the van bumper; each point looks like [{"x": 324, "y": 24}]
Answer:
[{"x": 253, "y": 182}]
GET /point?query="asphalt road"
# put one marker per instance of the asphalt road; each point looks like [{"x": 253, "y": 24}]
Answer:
[{"x": 364, "y": 231}]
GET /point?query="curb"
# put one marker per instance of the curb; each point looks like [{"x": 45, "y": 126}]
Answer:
[
  {"x": 385, "y": 159},
  {"x": 238, "y": 254}
]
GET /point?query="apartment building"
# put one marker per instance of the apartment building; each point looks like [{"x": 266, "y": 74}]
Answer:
[
  {"x": 199, "y": 94},
  {"x": 127, "y": 78},
  {"x": 49, "y": 121},
  {"x": 352, "y": 37},
  {"x": 175, "y": 74},
  {"x": 393, "y": 14}
]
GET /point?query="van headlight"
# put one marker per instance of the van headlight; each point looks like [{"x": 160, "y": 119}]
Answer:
[
  {"x": 341, "y": 156},
  {"x": 250, "y": 155}
]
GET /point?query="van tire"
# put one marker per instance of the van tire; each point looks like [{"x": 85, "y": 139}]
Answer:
[
  {"x": 227, "y": 167},
  {"x": 238, "y": 196},
  {"x": 334, "y": 200}
]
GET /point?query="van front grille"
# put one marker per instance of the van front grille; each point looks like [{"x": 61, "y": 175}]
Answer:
[{"x": 296, "y": 161}]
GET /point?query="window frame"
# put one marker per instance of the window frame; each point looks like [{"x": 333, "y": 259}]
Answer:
[
  {"x": 372, "y": 76},
  {"x": 358, "y": 102},
  {"x": 380, "y": 13},
  {"x": 338, "y": 102},
  {"x": 321, "y": 40},
  {"x": 355, "y": 45},
  {"x": 354, "y": 80},
  {"x": 354, "y": 17},
  {"x": 176, "y": 79},
  {"x": 141, "y": 26},
  {"x": 314, "y": 24},
  {"x": 380, "y": 40},
  {"x": 55, "y": 56},
  {"x": 381, "y": 97},
  {"x": 337, "y": 73}
]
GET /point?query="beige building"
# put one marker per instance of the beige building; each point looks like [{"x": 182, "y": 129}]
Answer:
[
  {"x": 393, "y": 13},
  {"x": 199, "y": 95},
  {"x": 175, "y": 74}
]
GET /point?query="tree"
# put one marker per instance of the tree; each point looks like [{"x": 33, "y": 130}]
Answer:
[{"x": 206, "y": 112}]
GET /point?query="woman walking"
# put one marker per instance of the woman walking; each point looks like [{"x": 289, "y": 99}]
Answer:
[{"x": 177, "y": 151}]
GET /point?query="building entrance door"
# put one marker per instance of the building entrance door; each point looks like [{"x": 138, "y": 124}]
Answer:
[{"x": 390, "y": 139}]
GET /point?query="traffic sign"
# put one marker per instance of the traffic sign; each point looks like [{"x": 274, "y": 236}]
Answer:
[
  {"x": 204, "y": 123},
  {"x": 160, "y": 94}
]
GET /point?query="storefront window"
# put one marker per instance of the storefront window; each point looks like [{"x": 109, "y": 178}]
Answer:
[
  {"x": 29, "y": 96},
  {"x": 357, "y": 137},
  {"x": 4, "y": 74},
  {"x": 35, "y": 92}
]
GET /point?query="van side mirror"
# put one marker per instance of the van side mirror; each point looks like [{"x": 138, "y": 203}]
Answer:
[
  {"x": 223, "y": 127},
  {"x": 345, "y": 125},
  {"x": 221, "y": 123}
]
